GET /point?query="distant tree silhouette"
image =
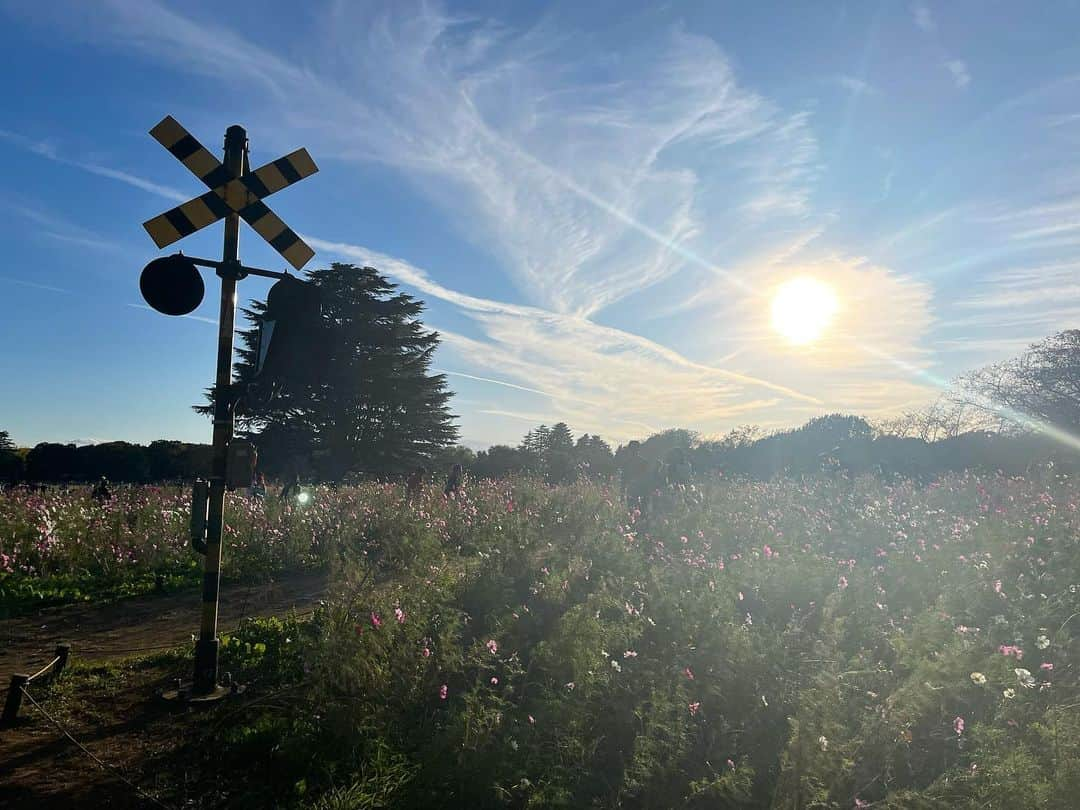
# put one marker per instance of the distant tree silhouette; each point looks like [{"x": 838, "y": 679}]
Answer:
[
  {"x": 117, "y": 461},
  {"x": 374, "y": 407},
  {"x": 49, "y": 461},
  {"x": 945, "y": 418},
  {"x": 535, "y": 445},
  {"x": 499, "y": 461},
  {"x": 594, "y": 456},
  {"x": 11, "y": 463},
  {"x": 663, "y": 445},
  {"x": 1042, "y": 383}
]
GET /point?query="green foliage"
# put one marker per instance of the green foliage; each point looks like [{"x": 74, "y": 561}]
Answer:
[{"x": 792, "y": 644}]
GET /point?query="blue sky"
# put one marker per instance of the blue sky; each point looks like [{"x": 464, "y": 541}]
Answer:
[{"x": 597, "y": 201}]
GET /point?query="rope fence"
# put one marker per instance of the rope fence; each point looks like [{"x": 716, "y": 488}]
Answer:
[
  {"x": 20, "y": 681},
  {"x": 102, "y": 764}
]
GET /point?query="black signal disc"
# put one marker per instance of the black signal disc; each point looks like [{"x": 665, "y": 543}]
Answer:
[{"x": 172, "y": 285}]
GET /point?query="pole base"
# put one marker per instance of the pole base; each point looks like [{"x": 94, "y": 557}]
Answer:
[{"x": 184, "y": 693}]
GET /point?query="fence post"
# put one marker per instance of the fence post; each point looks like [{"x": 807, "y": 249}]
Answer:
[
  {"x": 14, "y": 698},
  {"x": 62, "y": 653}
]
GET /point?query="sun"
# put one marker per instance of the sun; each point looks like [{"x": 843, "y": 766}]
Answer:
[{"x": 802, "y": 309}]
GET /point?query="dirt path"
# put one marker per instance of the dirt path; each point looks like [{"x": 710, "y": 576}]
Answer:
[{"x": 101, "y": 632}]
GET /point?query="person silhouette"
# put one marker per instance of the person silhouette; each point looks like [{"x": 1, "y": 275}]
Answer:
[
  {"x": 291, "y": 486},
  {"x": 101, "y": 492},
  {"x": 454, "y": 482},
  {"x": 414, "y": 484}
]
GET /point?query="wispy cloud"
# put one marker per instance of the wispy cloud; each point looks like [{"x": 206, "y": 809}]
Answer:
[
  {"x": 548, "y": 170},
  {"x": 491, "y": 381},
  {"x": 50, "y": 151},
  {"x": 920, "y": 12},
  {"x": 199, "y": 318},
  {"x": 597, "y": 377},
  {"x": 55, "y": 227},
  {"x": 37, "y": 286},
  {"x": 958, "y": 69},
  {"x": 167, "y": 192},
  {"x": 856, "y": 86}
]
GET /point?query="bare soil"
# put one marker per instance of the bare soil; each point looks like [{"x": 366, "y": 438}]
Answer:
[
  {"x": 123, "y": 722},
  {"x": 143, "y": 623}
]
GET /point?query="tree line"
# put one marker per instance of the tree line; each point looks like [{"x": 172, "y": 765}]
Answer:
[
  {"x": 357, "y": 399},
  {"x": 1010, "y": 416},
  {"x": 51, "y": 462},
  {"x": 835, "y": 443}
]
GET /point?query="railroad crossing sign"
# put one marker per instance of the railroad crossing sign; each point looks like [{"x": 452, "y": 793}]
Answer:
[
  {"x": 230, "y": 194},
  {"x": 172, "y": 285}
]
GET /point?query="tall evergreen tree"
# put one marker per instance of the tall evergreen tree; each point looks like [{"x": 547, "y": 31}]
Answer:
[
  {"x": 560, "y": 466},
  {"x": 373, "y": 407},
  {"x": 560, "y": 438}
]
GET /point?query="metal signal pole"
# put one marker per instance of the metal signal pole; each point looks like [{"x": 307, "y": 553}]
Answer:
[{"x": 206, "y": 648}]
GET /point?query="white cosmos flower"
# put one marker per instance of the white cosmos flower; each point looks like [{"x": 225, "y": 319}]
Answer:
[
  {"x": 1027, "y": 680},
  {"x": 978, "y": 678},
  {"x": 1042, "y": 642}
]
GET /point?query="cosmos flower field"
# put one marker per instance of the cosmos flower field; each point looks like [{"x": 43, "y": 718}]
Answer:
[{"x": 816, "y": 643}]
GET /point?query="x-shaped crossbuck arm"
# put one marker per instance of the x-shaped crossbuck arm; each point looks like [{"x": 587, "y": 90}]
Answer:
[{"x": 242, "y": 195}]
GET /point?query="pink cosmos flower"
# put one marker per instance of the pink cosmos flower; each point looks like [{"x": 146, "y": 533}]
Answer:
[
  {"x": 494, "y": 681},
  {"x": 399, "y": 614},
  {"x": 860, "y": 803},
  {"x": 426, "y": 652},
  {"x": 532, "y": 720},
  {"x": 694, "y": 708},
  {"x": 1047, "y": 666},
  {"x": 689, "y": 673},
  {"x": 842, "y": 583},
  {"x": 492, "y": 646},
  {"x": 997, "y": 586},
  {"x": 731, "y": 764},
  {"x": 958, "y": 726},
  {"x": 376, "y": 622},
  {"x": 442, "y": 692}
]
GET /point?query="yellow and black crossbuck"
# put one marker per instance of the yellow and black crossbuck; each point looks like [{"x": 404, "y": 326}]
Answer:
[{"x": 242, "y": 195}]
